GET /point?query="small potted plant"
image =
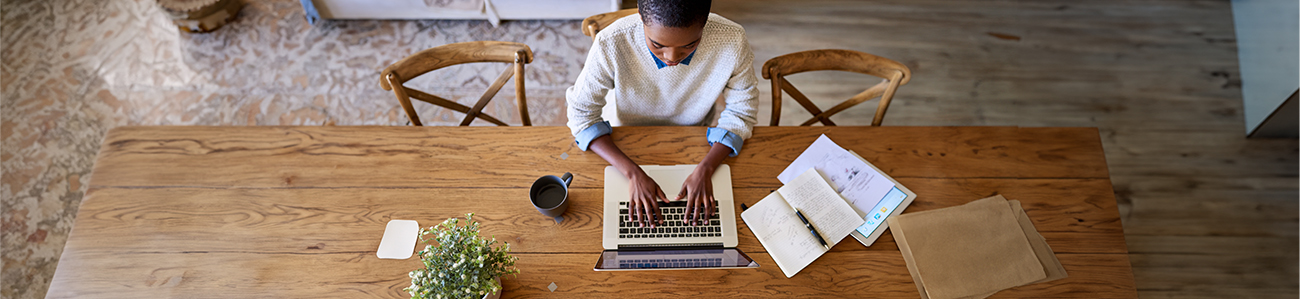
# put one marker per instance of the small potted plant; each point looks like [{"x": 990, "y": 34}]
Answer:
[{"x": 463, "y": 265}]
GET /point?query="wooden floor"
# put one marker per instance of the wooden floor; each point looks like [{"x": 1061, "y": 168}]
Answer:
[{"x": 1206, "y": 212}]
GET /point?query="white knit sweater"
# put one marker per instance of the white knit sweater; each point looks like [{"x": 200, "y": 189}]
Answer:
[{"x": 683, "y": 95}]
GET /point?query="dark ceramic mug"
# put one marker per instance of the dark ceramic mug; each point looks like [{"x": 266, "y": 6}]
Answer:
[{"x": 550, "y": 194}]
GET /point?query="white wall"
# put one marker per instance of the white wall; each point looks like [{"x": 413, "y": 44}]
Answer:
[{"x": 1268, "y": 50}]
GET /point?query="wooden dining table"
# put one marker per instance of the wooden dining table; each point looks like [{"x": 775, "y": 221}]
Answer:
[{"x": 274, "y": 212}]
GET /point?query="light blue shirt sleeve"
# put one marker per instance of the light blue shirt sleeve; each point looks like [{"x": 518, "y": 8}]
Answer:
[
  {"x": 727, "y": 138},
  {"x": 585, "y": 137}
]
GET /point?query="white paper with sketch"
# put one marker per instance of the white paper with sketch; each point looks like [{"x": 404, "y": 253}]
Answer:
[
  {"x": 789, "y": 242},
  {"x": 862, "y": 185}
]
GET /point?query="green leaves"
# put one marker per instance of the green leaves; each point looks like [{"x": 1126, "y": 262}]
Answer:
[{"x": 463, "y": 265}]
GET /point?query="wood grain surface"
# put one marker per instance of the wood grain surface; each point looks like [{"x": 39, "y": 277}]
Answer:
[
  {"x": 852, "y": 274},
  {"x": 347, "y": 219},
  {"x": 370, "y": 156},
  {"x": 295, "y": 212}
]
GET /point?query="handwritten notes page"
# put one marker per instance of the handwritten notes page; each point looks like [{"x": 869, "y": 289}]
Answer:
[
  {"x": 782, "y": 234},
  {"x": 776, "y": 226},
  {"x": 828, "y": 212}
]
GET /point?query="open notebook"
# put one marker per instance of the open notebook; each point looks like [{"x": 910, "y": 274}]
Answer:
[{"x": 785, "y": 237}]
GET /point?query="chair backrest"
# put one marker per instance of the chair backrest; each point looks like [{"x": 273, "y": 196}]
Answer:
[
  {"x": 459, "y": 53},
  {"x": 593, "y": 24},
  {"x": 894, "y": 73}
]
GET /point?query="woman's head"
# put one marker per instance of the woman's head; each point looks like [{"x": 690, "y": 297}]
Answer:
[{"x": 673, "y": 28}]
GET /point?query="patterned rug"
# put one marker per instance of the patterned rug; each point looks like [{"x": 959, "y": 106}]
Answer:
[{"x": 74, "y": 69}]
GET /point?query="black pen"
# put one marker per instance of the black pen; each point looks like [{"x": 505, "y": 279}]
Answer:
[{"x": 811, "y": 228}]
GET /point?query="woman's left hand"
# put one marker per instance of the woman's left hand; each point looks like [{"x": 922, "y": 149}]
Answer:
[{"x": 698, "y": 192}]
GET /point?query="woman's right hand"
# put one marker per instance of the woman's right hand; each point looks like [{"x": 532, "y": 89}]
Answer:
[{"x": 646, "y": 194}]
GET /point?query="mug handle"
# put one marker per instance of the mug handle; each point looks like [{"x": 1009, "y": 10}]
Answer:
[{"x": 567, "y": 178}]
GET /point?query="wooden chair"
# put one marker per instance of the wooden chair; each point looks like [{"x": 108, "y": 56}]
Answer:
[
  {"x": 593, "y": 24},
  {"x": 454, "y": 54},
  {"x": 895, "y": 74}
]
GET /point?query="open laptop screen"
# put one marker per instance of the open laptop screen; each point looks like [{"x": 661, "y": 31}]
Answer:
[{"x": 673, "y": 259}]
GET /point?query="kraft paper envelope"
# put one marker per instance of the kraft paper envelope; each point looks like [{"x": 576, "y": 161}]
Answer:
[
  {"x": 1046, "y": 257},
  {"x": 1044, "y": 253},
  {"x": 967, "y": 251},
  {"x": 901, "y": 240},
  {"x": 911, "y": 266}
]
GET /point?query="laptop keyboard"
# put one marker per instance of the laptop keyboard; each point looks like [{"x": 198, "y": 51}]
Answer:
[
  {"x": 669, "y": 263},
  {"x": 674, "y": 225}
]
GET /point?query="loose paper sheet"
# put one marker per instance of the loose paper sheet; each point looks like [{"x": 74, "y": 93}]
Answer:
[
  {"x": 399, "y": 239},
  {"x": 847, "y": 173}
]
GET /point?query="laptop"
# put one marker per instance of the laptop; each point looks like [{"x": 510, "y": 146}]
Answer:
[{"x": 674, "y": 244}]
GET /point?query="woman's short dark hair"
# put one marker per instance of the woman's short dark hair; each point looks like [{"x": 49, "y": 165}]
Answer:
[{"x": 674, "y": 13}]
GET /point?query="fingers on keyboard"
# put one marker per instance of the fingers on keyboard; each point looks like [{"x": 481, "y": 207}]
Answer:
[{"x": 672, "y": 222}]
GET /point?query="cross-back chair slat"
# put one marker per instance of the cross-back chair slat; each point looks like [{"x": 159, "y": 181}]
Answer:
[
  {"x": 895, "y": 75},
  {"x": 436, "y": 100},
  {"x": 443, "y": 56},
  {"x": 593, "y": 24},
  {"x": 805, "y": 102}
]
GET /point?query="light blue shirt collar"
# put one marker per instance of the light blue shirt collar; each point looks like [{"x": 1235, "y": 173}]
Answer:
[{"x": 661, "y": 64}]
